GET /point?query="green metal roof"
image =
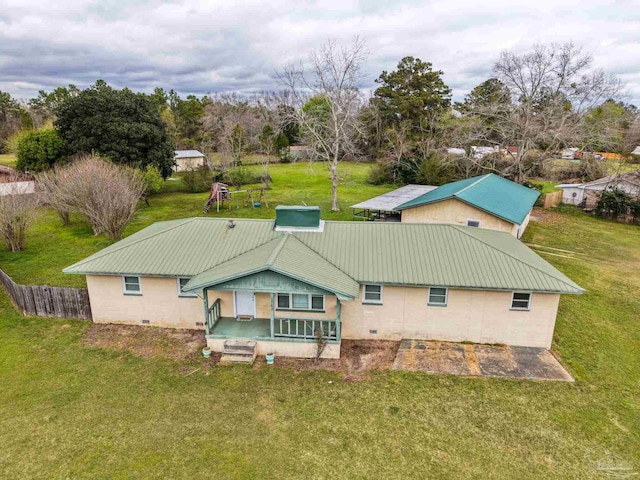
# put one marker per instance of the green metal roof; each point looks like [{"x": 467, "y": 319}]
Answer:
[
  {"x": 344, "y": 255},
  {"x": 493, "y": 194},
  {"x": 285, "y": 255}
]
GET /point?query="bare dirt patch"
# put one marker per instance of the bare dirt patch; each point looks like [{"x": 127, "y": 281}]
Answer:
[
  {"x": 146, "y": 341},
  {"x": 357, "y": 359},
  {"x": 547, "y": 216}
]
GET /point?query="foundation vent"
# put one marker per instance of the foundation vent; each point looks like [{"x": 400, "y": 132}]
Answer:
[{"x": 146, "y": 322}]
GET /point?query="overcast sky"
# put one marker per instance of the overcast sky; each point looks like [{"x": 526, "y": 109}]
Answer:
[{"x": 202, "y": 47}]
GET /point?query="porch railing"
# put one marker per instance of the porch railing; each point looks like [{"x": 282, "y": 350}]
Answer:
[
  {"x": 213, "y": 315},
  {"x": 305, "y": 328}
]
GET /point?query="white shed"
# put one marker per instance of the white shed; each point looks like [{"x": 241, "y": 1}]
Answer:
[
  {"x": 589, "y": 193},
  {"x": 188, "y": 160}
]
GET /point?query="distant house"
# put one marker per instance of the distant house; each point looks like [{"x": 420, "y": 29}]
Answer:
[
  {"x": 272, "y": 286},
  {"x": 636, "y": 151},
  {"x": 188, "y": 160},
  {"x": 476, "y": 151},
  {"x": 569, "y": 153},
  {"x": 587, "y": 194},
  {"x": 488, "y": 201},
  {"x": 300, "y": 152},
  {"x": 14, "y": 183}
]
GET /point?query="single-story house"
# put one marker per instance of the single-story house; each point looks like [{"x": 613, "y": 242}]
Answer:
[
  {"x": 587, "y": 194},
  {"x": 300, "y": 152},
  {"x": 280, "y": 283},
  {"x": 488, "y": 201},
  {"x": 188, "y": 160}
]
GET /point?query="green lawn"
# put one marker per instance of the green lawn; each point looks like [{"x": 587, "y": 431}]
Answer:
[
  {"x": 51, "y": 247},
  {"x": 547, "y": 186},
  {"x": 69, "y": 411},
  {"x": 7, "y": 159}
]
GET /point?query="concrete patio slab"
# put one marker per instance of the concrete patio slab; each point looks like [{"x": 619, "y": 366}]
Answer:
[{"x": 479, "y": 360}]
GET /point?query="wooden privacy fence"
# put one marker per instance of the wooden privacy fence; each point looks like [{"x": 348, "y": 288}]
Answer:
[
  {"x": 44, "y": 301},
  {"x": 552, "y": 199}
]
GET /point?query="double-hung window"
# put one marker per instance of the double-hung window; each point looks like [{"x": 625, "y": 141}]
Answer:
[
  {"x": 300, "y": 301},
  {"x": 182, "y": 281},
  {"x": 131, "y": 285},
  {"x": 372, "y": 294},
  {"x": 521, "y": 301},
  {"x": 438, "y": 296}
]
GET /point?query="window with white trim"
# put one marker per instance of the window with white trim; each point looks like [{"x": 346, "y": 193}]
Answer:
[
  {"x": 521, "y": 301},
  {"x": 438, "y": 296},
  {"x": 182, "y": 281},
  {"x": 473, "y": 223},
  {"x": 372, "y": 294},
  {"x": 131, "y": 285},
  {"x": 300, "y": 301}
]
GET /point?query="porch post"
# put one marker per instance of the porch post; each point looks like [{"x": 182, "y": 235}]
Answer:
[
  {"x": 338, "y": 311},
  {"x": 205, "y": 294},
  {"x": 272, "y": 318}
]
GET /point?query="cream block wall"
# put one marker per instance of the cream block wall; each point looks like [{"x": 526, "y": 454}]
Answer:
[
  {"x": 470, "y": 315},
  {"x": 159, "y": 303},
  {"x": 456, "y": 212}
]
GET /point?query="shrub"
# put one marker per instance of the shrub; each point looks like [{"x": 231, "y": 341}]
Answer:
[
  {"x": 198, "y": 179},
  {"x": 379, "y": 174},
  {"x": 285, "y": 155},
  {"x": 613, "y": 203},
  {"x": 239, "y": 176},
  {"x": 433, "y": 171},
  {"x": 17, "y": 213},
  {"x": 152, "y": 179},
  {"x": 591, "y": 168},
  {"x": 39, "y": 150},
  {"x": 106, "y": 194}
]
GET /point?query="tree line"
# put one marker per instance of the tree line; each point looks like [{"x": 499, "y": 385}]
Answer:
[{"x": 534, "y": 104}]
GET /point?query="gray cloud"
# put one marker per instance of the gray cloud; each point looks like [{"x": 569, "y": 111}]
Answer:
[{"x": 202, "y": 47}]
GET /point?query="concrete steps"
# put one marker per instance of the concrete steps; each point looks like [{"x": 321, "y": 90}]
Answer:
[{"x": 238, "y": 351}]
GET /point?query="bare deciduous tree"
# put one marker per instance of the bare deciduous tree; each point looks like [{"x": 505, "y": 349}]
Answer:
[
  {"x": 106, "y": 194},
  {"x": 17, "y": 214},
  {"x": 331, "y": 126},
  {"x": 552, "y": 87}
]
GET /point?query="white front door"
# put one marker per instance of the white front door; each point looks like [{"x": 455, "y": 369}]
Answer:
[{"x": 245, "y": 304}]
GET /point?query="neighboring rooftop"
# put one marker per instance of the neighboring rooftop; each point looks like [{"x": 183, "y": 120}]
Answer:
[
  {"x": 631, "y": 177},
  {"x": 343, "y": 255},
  {"x": 387, "y": 202},
  {"x": 188, "y": 154},
  {"x": 493, "y": 194}
]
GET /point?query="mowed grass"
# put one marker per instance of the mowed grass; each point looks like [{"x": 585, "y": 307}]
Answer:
[
  {"x": 51, "y": 247},
  {"x": 7, "y": 159},
  {"x": 70, "y": 411}
]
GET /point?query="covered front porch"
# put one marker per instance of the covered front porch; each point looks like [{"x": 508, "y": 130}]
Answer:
[
  {"x": 282, "y": 295},
  {"x": 278, "y": 326},
  {"x": 284, "y": 328}
]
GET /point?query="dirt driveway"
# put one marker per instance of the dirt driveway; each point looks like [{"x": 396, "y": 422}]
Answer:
[{"x": 479, "y": 360}]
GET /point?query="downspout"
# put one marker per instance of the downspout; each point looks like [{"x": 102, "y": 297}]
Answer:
[
  {"x": 272, "y": 318},
  {"x": 338, "y": 311},
  {"x": 205, "y": 294}
]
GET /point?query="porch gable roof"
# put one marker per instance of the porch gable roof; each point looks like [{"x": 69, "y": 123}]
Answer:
[{"x": 286, "y": 256}]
